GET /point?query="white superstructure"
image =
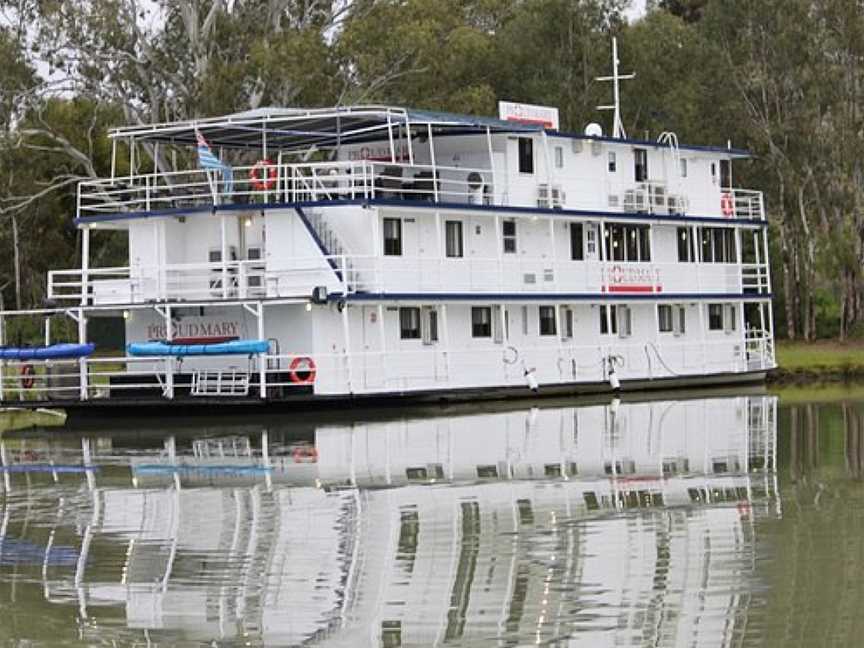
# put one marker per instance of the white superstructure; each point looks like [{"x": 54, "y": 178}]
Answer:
[{"x": 411, "y": 252}]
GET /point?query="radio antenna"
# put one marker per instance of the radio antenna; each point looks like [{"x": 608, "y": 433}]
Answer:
[{"x": 617, "y": 126}]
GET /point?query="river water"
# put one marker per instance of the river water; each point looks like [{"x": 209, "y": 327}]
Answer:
[{"x": 727, "y": 518}]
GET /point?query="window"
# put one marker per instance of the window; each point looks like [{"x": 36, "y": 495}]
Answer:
[
  {"x": 613, "y": 163},
  {"x": 547, "y": 320},
  {"x": 429, "y": 325},
  {"x": 664, "y": 318},
  {"x": 725, "y": 173},
  {"x": 393, "y": 236},
  {"x": 713, "y": 173},
  {"x": 508, "y": 233},
  {"x": 577, "y": 246},
  {"x": 453, "y": 239},
  {"x": 718, "y": 245},
  {"x": 498, "y": 325},
  {"x": 481, "y": 322},
  {"x": 640, "y": 164},
  {"x": 686, "y": 251},
  {"x": 715, "y": 317},
  {"x": 682, "y": 167},
  {"x": 679, "y": 323},
  {"x": 624, "y": 316},
  {"x": 524, "y": 320},
  {"x": 526, "y": 155},
  {"x": 409, "y": 323},
  {"x": 610, "y": 324},
  {"x": 559, "y": 157},
  {"x": 628, "y": 243},
  {"x": 730, "y": 322}
]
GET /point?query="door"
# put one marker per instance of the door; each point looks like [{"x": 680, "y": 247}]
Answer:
[{"x": 371, "y": 361}]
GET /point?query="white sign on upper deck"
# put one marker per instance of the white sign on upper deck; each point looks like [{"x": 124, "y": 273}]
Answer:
[{"x": 528, "y": 114}]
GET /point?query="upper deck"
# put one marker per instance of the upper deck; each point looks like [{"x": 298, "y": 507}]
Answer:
[{"x": 276, "y": 157}]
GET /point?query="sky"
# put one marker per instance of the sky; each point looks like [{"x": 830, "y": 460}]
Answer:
[{"x": 637, "y": 8}]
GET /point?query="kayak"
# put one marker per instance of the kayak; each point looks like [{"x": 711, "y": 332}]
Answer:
[
  {"x": 235, "y": 347},
  {"x": 52, "y": 352}
]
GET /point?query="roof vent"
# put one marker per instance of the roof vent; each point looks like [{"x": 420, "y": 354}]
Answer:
[{"x": 594, "y": 130}]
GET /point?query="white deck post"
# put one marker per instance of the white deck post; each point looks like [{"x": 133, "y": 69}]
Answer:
[
  {"x": 82, "y": 361},
  {"x": 169, "y": 361},
  {"x": 492, "y": 165},
  {"x": 432, "y": 159},
  {"x": 262, "y": 359},
  {"x": 445, "y": 336},
  {"x": 554, "y": 254},
  {"x": 223, "y": 254},
  {"x": 408, "y": 134},
  {"x": 390, "y": 137},
  {"x": 382, "y": 330},
  {"x": 85, "y": 263}
]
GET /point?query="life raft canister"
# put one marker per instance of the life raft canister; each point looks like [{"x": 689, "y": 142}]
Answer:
[
  {"x": 304, "y": 454},
  {"x": 262, "y": 176},
  {"x": 27, "y": 376},
  {"x": 726, "y": 204},
  {"x": 302, "y": 370}
]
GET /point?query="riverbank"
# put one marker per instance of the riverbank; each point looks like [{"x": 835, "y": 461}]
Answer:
[{"x": 821, "y": 361}]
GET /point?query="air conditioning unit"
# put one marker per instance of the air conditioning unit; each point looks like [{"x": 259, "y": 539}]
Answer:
[
  {"x": 576, "y": 145},
  {"x": 215, "y": 256},
  {"x": 635, "y": 201},
  {"x": 558, "y": 197},
  {"x": 543, "y": 196},
  {"x": 255, "y": 271},
  {"x": 614, "y": 201},
  {"x": 658, "y": 195}
]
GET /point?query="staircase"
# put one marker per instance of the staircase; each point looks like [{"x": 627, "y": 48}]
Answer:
[{"x": 331, "y": 247}]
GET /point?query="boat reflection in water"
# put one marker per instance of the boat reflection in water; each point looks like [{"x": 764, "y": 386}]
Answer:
[{"x": 609, "y": 524}]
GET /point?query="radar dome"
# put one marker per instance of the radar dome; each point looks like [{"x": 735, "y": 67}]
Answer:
[{"x": 594, "y": 130}]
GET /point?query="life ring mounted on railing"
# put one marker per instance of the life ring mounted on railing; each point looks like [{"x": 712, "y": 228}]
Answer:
[
  {"x": 304, "y": 454},
  {"x": 727, "y": 205},
  {"x": 28, "y": 376},
  {"x": 302, "y": 370},
  {"x": 263, "y": 175}
]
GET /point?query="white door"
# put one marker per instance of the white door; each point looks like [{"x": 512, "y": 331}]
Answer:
[{"x": 372, "y": 359}]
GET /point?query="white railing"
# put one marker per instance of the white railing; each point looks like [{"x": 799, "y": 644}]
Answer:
[
  {"x": 426, "y": 367},
  {"x": 289, "y": 183},
  {"x": 348, "y": 274},
  {"x": 364, "y": 179}
]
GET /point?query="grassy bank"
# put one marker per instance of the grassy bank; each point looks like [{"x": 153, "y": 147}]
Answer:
[{"x": 824, "y": 360}]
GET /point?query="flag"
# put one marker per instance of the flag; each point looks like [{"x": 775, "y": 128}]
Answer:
[{"x": 209, "y": 162}]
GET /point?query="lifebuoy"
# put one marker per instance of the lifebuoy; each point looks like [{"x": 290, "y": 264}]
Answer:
[
  {"x": 726, "y": 204},
  {"x": 304, "y": 454},
  {"x": 27, "y": 376},
  {"x": 302, "y": 370},
  {"x": 262, "y": 177}
]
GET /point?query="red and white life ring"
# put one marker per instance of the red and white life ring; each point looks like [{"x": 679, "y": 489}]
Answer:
[
  {"x": 304, "y": 454},
  {"x": 262, "y": 177},
  {"x": 28, "y": 376},
  {"x": 727, "y": 206},
  {"x": 302, "y": 370}
]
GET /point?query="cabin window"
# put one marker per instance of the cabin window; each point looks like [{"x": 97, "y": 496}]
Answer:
[
  {"x": 409, "y": 323},
  {"x": 577, "y": 244},
  {"x": 640, "y": 164},
  {"x": 718, "y": 245},
  {"x": 429, "y": 325},
  {"x": 524, "y": 320},
  {"x": 726, "y": 173},
  {"x": 613, "y": 162},
  {"x": 730, "y": 320},
  {"x": 559, "y": 157},
  {"x": 664, "y": 318},
  {"x": 508, "y": 234},
  {"x": 715, "y": 317},
  {"x": 713, "y": 173},
  {"x": 610, "y": 324},
  {"x": 526, "y": 155},
  {"x": 481, "y": 322},
  {"x": 628, "y": 243},
  {"x": 682, "y": 167},
  {"x": 393, "y": 236},
  {"x": 547, "y": 320},
  {"x": 686, "y": 251},
  {"x": 679, "y": 320},
  {"x": 453, "y": 239},
  {"x": 498, "y": 325},
  {"x": 624, "y": 316}
]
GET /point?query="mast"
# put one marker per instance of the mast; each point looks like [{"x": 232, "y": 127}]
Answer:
[{"x": 617, "y": 125}]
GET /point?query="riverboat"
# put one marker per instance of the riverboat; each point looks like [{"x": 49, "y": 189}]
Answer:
[{"x": 383, "y": 251}]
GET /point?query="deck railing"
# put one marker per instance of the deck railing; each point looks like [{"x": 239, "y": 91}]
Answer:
[
  {"x": 349, "y": 274},
  {"x": 365, "y": 179},
  {"x": 425, "y": 367}
]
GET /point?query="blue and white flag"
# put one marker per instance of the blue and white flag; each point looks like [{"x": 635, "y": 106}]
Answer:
[{"x": 208, "y": 161}]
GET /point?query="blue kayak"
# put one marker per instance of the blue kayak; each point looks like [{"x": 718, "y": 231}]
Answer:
[
  {"x": 52, "y": 352},
  {"x": 235, "y": 347}
]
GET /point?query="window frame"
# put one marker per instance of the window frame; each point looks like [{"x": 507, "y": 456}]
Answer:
[
  {"x": 715, "y": 317},
  {"x": 508, "y": 240},
  {"x": 665, "y": 318},
  {"x": 414, "y": 327},
  {"x": 547, "y": 326},
  {"x": 577, "y": 243},
  {"x": 525, "y": 154},
  {"x": 395, "y": 250},
  {"x": 458, "y": 227},
  {"x": 485, "y": 332}
]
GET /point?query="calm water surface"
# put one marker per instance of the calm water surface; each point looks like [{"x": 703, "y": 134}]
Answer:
[{"x": 730, "y": 519}]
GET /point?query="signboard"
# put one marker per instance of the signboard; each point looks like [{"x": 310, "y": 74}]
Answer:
[
  {"x": 632, "y": 279},
  {"x": 545, "y": 116},
  {"x": 189, "y": 328}
]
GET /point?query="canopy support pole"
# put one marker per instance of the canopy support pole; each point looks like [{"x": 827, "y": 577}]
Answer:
[
  {"x": 408, "y": 134},
  {"x": 432, "y": 158},
  {"x": 82, "y": 361},
  {"x": 85, "y": 263},
  {"x": 390, "y": 138},
  {"x": 347, "y": 340},
  {"x": 491, "y": 164},
  {"x": 113, "y": 158}
]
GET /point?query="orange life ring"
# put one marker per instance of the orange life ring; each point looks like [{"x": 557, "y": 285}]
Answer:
[
  {"x": 302, "y": 371},
  {"x": 727, "y": 205},
  {"x": 305, "y": 454},
  {"x": 27, "y": 376},
  {"x": 262, "y": 176}
]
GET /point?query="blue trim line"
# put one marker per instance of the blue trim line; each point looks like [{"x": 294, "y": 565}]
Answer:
[
  {"x": 595, "y": 297},
  {"x": 323, "y": 248},
  {"x": 423, "y": 204}
]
